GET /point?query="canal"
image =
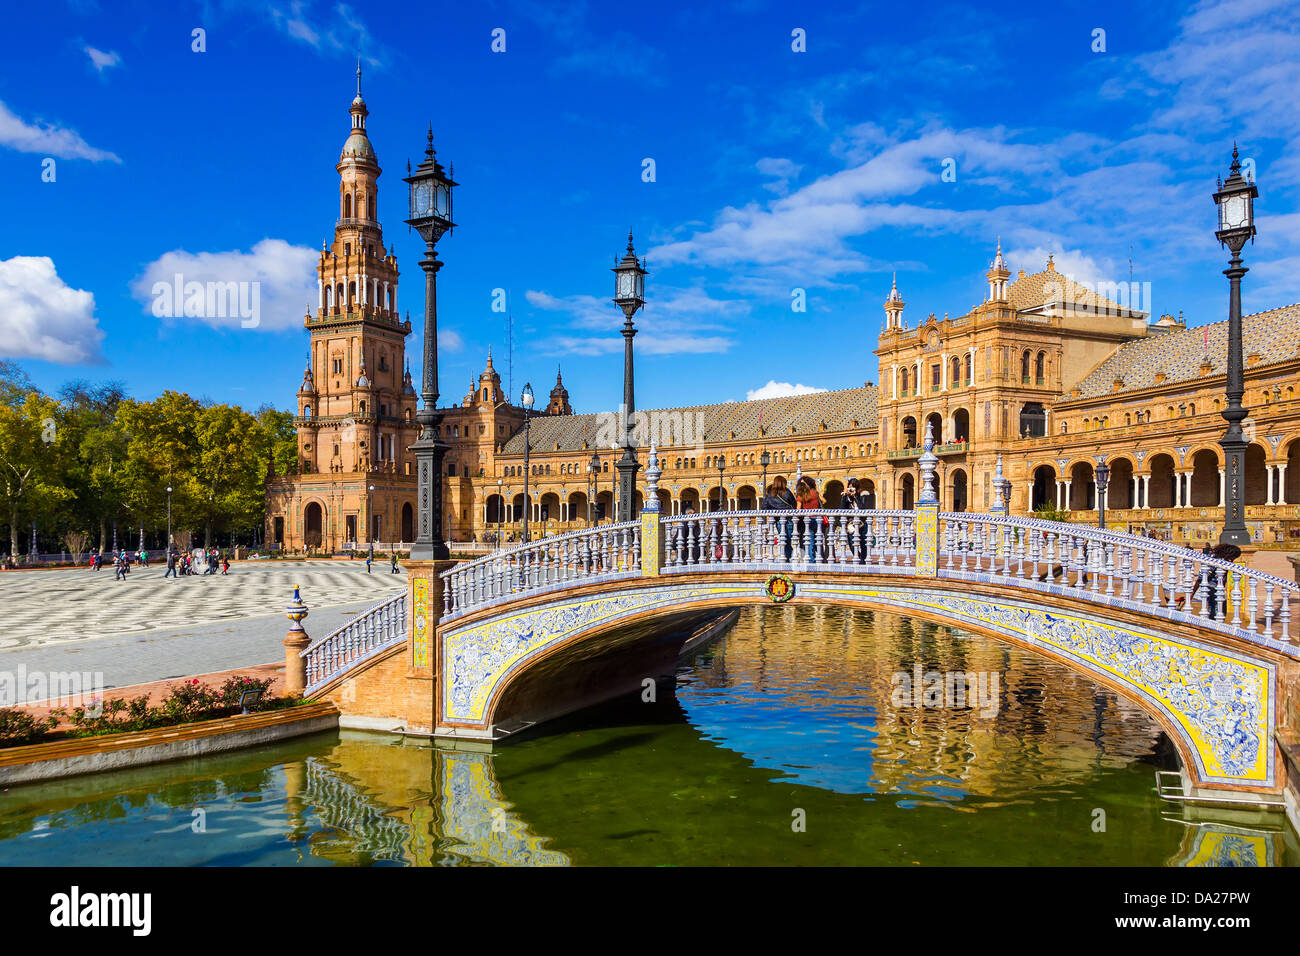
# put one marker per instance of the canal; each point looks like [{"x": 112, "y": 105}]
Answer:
[{"x": 797, "y": 738}]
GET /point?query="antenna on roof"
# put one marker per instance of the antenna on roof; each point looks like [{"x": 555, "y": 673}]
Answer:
[{"x": 510, "y": 347}]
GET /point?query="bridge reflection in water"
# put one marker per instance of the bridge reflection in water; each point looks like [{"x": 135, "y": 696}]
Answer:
[
  {"x": 793, "y": 710},
  {"x": 789, "y": 712}
]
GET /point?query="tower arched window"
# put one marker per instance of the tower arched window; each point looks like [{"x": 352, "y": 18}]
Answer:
[
  {"x": 347, "y": 206},
  {"x": 1024, "y": 367},
  {"x": 1040, "y": 367}
]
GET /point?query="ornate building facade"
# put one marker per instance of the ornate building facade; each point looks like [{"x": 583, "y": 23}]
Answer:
[{"x": 1044, "y": 372}]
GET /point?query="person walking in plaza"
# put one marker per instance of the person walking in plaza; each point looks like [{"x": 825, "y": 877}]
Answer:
[
  {"x": 394, "y": 569},
  {"x": 225, "y": 563},
  {"x": 807, "y": 499},
  {"x": 370, "y": 556},
  {"x": 171, "y": 565}
]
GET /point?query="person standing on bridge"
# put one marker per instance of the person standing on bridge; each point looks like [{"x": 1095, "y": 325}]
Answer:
[
  {"x": 807, "y": 499},
  {"x": 782, "y": 500},
  {"x": 394, "y": 567},
  {"x": 857, "y": 526}
]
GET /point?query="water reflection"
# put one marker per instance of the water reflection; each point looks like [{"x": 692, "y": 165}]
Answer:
[
  {"x": 792, "y": 711},
  {"x": 811, "y": 693}
]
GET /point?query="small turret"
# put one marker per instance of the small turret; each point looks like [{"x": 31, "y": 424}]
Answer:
[
  {"x": 894, "y": 307},
  {"x": 998, "y": 275}
]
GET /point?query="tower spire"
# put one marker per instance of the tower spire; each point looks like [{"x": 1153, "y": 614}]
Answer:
[{"x": 358, "y": 76}]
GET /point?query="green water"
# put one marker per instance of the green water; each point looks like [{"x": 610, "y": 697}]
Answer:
[{"x": 778, "y": 744}]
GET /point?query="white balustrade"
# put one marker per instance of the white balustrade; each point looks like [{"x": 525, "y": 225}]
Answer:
[{"x": 367, "y": 634}]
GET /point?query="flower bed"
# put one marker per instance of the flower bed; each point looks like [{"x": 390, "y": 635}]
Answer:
[{"x": 185, "y": 703}]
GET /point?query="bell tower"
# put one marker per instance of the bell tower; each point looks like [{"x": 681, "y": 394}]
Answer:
[{"x": 363, "y": 419}]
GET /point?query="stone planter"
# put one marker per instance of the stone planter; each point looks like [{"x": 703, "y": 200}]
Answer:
[{"x": 66, "y": 758}]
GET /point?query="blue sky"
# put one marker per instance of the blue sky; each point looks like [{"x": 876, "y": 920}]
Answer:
[{"x": 775, "y": 170}]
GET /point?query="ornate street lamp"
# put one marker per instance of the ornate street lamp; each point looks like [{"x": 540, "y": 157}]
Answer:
[
  {"x": 169, "y": 518},
  {"x": 430, "y": 207},
  {"x": 1235, "y": 199},
  {"x": 721, "y": 491},
  {"x": 1102, "y": 474},
  {"x": 629, "y": 295},
  {"x": 526, "y": 400},
  {"x": 370, "y": 518},
  {"x": 593, "y": 475},
  {"x": 764, "y": 459},
  {"x": 501, "y": 503}
]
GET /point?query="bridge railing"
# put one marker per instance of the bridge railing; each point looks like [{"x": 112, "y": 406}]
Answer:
[
  {"x": 881, "y": 541},
  {"x": 1118, "y": 569},
  {"x": 366, "y": 635},
  {"x": 591, "y": 555},
  {"x": 1108, "y": 567}
]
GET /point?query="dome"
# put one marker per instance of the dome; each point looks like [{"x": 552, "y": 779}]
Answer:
[{"x": 358, "y": 147}]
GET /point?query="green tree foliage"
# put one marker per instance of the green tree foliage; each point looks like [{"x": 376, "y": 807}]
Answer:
[
  {"x": 31, "y": 461},
  {"x": 96, "y": 456}
]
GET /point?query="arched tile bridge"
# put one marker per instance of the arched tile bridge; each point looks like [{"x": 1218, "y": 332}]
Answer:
[{"x": 1205, "y": 646}]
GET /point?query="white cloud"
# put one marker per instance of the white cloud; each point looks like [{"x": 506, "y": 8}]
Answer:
[
  {"x": 42, "y": 318},
  {"x": 279, "y": 278},
  {"x": 674, "y": 322},
  {"x": 45, "y": 139},
  {"x": 336, "y": 29},
  {"x": 775, "y": 389},
  {"x": 781, "y": 171},
  {"x": 101, "y": 60}
]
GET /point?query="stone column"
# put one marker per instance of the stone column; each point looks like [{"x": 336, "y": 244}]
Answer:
[
  {"x": 424, "y": 604},
  {"x": 1268, "y": 469},
  {"x": 1068, "y": 482},
  {"x": 1146, "y": 491},
  {"x": 295, "y": 642},
  {"x": 1222, "y": 482},
  {"x": 1281, "y": 483}
]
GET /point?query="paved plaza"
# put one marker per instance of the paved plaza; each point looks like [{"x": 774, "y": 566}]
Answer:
[{"x": 149, "y": 628}]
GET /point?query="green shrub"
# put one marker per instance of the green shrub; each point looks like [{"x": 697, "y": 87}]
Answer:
[{"x": 18, "y": 727}]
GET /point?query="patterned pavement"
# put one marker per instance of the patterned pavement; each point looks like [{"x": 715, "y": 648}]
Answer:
[{"x": 52, "y": 608}]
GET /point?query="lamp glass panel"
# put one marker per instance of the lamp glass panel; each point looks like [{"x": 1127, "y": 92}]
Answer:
[{"x": 1232, "y": 212}]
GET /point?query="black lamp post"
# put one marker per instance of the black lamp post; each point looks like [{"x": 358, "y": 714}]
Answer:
[
  {"x": 629, "y": 295},
  {"x": 370, "y": 518},
  {"x": 526, "y": 400},
  {"x": 721, "y": 490},
  {"x": 1235, "y": 199},
  {"x": 169, "y": 518},
  {"x": 764, "y": 459},
  {"x": 501, "y": 503},
  {"x": 430, "y": 206},
  {"x": 1102, "y": 474},
  {"x": 593, "y": 475}
]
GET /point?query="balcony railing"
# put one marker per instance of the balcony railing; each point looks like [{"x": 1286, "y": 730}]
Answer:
[{"x": 949, "y": 448}]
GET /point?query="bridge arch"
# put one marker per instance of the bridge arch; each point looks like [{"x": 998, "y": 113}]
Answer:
[{"x": 1213, "y": 699}]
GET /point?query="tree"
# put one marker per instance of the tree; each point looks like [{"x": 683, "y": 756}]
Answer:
[
  {"x": 282, "y": 438},
  {"x": 97, "y": 449},
  {"x": 30, "y": 472}
]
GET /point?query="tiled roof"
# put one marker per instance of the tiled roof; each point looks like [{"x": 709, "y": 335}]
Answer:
[
  {"x": 1035, "y": 290},
  {"x": 1274, "y": 335},
  {"x": 840, "y": 410}
]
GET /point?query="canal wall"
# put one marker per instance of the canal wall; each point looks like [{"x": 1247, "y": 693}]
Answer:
[{"x": 82, "y": 755}]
